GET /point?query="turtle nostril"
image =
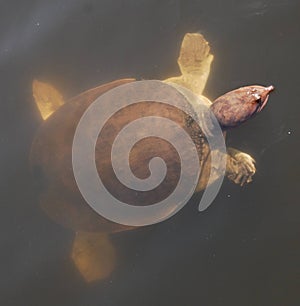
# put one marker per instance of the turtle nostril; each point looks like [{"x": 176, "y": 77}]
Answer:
[{"x": 270, "y": 88}]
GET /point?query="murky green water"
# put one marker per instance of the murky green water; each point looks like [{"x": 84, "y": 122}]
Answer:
[{"x": 244, "y": 249}]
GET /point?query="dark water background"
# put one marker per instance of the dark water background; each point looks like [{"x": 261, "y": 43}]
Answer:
[{"x": 243, "y": 250}]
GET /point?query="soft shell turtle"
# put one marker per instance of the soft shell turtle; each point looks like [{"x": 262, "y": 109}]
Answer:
[{"x": 51, "y": 153}]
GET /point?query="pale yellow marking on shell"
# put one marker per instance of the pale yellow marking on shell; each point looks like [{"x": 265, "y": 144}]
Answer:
[
  {"x": 194, "y": 62},
  {"x": 47, "y": 98}
]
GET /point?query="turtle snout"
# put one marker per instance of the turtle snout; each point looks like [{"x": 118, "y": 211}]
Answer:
[
  {"x": 270, "y": 88},
  {"x": 264, "y": 96}
]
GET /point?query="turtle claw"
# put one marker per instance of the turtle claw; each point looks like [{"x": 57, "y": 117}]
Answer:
[{"x": 240, "y": 168}]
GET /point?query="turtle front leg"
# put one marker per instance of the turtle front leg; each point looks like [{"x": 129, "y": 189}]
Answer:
[
  {"x": 194, "y": 62},
  {"x": 240, "y": 166}
]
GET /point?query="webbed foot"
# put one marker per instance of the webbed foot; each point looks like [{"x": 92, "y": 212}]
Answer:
[
  {"x": 94, "y": 255},
  {"x": 194, "y": 62},
  {"x": 240, "y": 167}
]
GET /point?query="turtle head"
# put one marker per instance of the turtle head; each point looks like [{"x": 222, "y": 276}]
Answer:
[{"x": 237, "y": 106}]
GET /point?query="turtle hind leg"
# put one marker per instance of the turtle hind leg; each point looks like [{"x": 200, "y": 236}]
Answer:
[
  {"x": 240, "y": 167},
  {"x": 94, "y": 255},
  {"x": 47, "y": 98}
]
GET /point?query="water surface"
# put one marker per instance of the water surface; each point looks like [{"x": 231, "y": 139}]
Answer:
[{"x": 243, "y": 250}]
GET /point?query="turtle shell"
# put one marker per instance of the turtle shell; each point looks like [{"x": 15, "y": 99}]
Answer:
[{"x": 51, "y": 159}]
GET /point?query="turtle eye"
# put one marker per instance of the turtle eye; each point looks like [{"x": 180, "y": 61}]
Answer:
[
  {"x": 257, "y": 98},
  {"x": 259, "y": 101}
]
